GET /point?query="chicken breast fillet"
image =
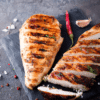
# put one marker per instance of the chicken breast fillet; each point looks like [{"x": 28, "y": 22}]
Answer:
[
  {"x": 79, "y": 66},
  {"x": 40, "y": 40},
  {"x": 57, "y": 94}
]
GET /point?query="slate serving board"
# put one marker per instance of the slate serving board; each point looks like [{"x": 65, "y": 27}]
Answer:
[{"x": 11, "y": 47}]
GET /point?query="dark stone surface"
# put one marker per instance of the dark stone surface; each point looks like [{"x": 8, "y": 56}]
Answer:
[{"x": 22, "y": 9}]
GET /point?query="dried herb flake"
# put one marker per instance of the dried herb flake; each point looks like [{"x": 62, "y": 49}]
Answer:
[
  {"x": 80, "y": 48},
  {"x": 53, "y": 37},
  {"x": 91, "y": 70}
]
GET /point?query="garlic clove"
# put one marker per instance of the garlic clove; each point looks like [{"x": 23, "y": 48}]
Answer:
[
  {"x": 15, "y": 20},
  {"x": 83, "y": 23}
]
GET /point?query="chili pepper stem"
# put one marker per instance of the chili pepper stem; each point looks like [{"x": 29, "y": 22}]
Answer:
[{"x": 71, "y": 37}]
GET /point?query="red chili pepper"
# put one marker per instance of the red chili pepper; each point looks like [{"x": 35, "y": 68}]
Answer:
[
  {"x": 18, "y": 88},
  {"x": 68, "y": 27},
  {"x": 15, "y": 76},
  {"x": 36, "y": 99}
]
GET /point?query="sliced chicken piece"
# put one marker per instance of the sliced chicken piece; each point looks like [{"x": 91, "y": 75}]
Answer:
[
  {"x": 88, "y": 43},
  {"x": 84, "y": 50},
  {"x": 93, "y": 33},
  {"x": 58, "y": 94},
  {"x": 81, "y": 58},
  {"x": 40, "y": 40},
  {"x": 79, "y": 66},
  {"x": 88, "y": 70},
  {"x": 71, "y": 80}
]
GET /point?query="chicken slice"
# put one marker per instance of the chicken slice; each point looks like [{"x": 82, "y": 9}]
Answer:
[
  {"x": 80, "y": 65},
  {"x": 57, "y": 94},
  {"x": 70, "y": 80}
]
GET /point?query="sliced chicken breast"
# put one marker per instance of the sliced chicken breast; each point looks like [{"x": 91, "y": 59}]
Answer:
[
  {"x": 79, "y": 66},
  {"x": 58, "y": 94}
]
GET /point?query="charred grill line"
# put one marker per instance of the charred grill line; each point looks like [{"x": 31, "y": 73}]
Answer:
[
  {"x": 42, "y": 50},
  {"x": 85, "y": 50},
  {"x": 42, "y": 35},
  {"x": 74, "y": 79},
  {"x": 37, "y": 56},
  {"x": 41, "y": 19},
  {"x": 89, "y": 42},
  {"x": 94, "y": 59}
]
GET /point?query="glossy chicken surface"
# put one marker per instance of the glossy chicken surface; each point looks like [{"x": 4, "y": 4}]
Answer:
[
  {"x": 40, "y": 40},
  {"x": 79, "y": 66}
]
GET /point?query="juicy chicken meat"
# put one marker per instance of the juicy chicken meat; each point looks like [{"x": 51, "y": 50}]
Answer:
[
  {"x": 57, "y": 94},
  {"x": 79, "y": 66},
  {"x": 40, "y": 40}
]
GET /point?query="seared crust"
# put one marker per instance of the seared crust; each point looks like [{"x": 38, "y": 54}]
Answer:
[
  {"x": 94, "y": 30},
  {"x": 79, "y": 66},
  {"x": 40, "y": 40},
  {"x": 72, "y": 78}
]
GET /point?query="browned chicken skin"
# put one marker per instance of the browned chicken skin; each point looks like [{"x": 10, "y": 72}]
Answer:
[
  {"x": 79, "y": 66},
  {"x": 40, "y": 40}
]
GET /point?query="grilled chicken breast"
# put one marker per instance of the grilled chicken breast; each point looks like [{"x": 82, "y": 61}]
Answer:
[
  {"x": 79, "y": 66},
  {"x": 57, "y": 94},
  {"x": 40, "y": 40}
]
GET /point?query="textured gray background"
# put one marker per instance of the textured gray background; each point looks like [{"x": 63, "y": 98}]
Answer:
[{"x": 22, "y": 9}]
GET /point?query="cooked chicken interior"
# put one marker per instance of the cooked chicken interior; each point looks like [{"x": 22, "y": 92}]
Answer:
[
  {"x": 55, "y": 94},
  {"x": 40, "y": 40},
  {"x": 79, "y": 66}
]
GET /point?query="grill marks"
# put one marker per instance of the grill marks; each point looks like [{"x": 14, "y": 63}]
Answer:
[
  {"x": 40, "y": 35},
  {"x": 74, "y": 79},
  {"x": 44, "y": 33},
  {"x": 44, "y": 28},
  {"x": 42, "y": 19},
  {"x": 88, "y": 42},
  {"x": 41, "y": 26},
  {"x": 43, "y": 23},
  {"x": 51, "y": 35},
  {"x": 85, "y": 35},
  {"x": 37, "y": 56},
  {"x": 40, "y": 41},
  {"x": 78, "y": 67},
  {"x": 84, "y": 50},
  {"x": 80, "y": 58}
]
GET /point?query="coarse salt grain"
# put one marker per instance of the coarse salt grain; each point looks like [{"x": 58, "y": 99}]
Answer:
[
  {"x": 5, "y": 30},
  {"x": 15, "y": 19},
  {"x": 81, "y": 96},
  {"x": 0, "y": 75},
  {"x": 12, "y": 26},
  {"x": 5, "y": 72},
  {"x": 98, "y": 83}
]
